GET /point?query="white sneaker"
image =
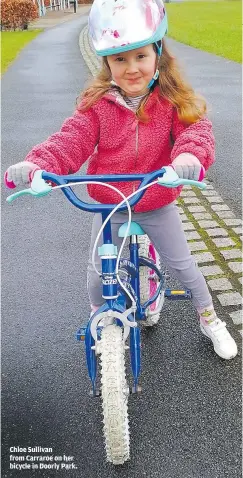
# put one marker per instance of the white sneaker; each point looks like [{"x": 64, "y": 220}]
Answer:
[{"x": 224, "y": 344}]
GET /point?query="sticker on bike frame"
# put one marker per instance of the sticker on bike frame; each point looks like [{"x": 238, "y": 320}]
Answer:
[
  {"x": 126, "y": 263},
  {"x": 108, "y": 280}
]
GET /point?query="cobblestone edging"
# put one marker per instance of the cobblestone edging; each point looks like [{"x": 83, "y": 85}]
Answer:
[
  {"x": 214, "y": 236},
  {"x": 213, "y": 232}
]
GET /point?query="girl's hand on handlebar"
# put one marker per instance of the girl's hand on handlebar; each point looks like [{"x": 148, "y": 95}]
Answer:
[
  {"x": 187, "y": 166},
  {"x": 20, "y": 173}
]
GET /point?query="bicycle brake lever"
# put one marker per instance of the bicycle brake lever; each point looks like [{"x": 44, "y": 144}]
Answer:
[
  {"x": 170, "y": 179},
  {"x": 38, "y": 188}
]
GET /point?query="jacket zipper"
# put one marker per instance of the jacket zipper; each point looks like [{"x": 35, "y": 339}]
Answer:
[
  {"x": 136, "y": 145},
  {"x": 134, "y": 187}
]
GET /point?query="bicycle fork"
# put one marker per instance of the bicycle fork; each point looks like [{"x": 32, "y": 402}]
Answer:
[{"x": 114, "y": 308}]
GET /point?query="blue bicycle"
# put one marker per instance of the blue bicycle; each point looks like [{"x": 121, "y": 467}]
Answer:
[{"x": 133, "y": 292}]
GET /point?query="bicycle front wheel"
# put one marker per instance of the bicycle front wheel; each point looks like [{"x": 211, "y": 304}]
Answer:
[{"x": 114, "y": 392}]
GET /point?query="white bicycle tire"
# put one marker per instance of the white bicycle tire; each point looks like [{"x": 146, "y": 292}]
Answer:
[{"x": 114, "y": 393}]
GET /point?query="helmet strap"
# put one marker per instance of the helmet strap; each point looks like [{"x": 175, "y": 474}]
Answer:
[
  {"x": 158, "y": 46},
  {"x": 156, "y": 75}
]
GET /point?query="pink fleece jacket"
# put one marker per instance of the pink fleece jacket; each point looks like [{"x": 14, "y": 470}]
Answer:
[{"x": 113, "y": 140}]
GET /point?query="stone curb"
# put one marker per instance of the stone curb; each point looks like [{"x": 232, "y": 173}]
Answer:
[{"x": 213, "y": 232}]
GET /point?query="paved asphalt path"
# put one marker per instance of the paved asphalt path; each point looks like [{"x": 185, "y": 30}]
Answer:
[{"x": 187, "y": 422}]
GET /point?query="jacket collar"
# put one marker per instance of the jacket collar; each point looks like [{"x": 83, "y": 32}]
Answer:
[{"x": 114, "y": 94}]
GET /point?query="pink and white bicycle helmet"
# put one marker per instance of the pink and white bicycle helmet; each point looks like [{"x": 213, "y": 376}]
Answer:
[{"x": 116, "y": 26}]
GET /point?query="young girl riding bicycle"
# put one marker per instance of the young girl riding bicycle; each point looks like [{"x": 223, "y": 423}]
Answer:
[{"x": 137, "y": 116}]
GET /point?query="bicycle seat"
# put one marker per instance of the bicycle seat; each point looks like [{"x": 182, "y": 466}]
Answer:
[{"x": 135, "y": 230}]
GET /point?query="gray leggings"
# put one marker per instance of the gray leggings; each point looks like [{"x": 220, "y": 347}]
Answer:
[{"x": 164, "y": 228}]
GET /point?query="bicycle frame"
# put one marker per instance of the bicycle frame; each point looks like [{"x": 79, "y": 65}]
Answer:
[{"x": 116, "y": 301}]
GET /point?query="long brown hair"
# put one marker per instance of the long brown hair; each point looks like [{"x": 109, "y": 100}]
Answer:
[{"x": 173, "y": 87}]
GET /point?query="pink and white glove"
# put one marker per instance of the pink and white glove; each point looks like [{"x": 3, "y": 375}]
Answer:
[
  {"x": 187, "y": 166},
  {"x": 20, "y": 173}
]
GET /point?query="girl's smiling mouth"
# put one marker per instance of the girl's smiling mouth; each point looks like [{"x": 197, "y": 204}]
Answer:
[{"x": 134, "y": 79}]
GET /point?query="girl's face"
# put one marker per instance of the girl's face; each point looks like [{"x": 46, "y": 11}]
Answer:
[{"x": 133, "y": 70}]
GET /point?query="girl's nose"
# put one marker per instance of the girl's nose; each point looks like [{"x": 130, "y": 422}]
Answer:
[{"x": 132, "y": 67}]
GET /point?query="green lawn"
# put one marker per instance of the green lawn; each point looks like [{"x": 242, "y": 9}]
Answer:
[
  {"x": 210, "y": 26},
  {"x": 12, "y": 43}
]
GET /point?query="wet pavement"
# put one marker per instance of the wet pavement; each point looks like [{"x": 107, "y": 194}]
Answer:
[{"x": 187, "y": 421}]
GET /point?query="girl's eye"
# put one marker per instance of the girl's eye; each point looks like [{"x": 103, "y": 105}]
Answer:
[
  {"x": 141, "y": 56},
  {"x": 119, "y": 59}
]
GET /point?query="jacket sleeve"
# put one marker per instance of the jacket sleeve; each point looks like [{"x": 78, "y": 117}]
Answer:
[
  {"x": 196, "y": 139},
  {"x": 65, "y": 152}
]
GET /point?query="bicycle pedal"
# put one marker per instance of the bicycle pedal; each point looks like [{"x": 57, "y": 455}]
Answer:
[{"x": 183, "y": 294}]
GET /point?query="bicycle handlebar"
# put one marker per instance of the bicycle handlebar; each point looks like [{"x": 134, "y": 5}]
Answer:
[{"x": 166, "y": 176}]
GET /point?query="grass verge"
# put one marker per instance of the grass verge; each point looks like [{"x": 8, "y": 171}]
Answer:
[
  {"x": 213, "y": 26},
  {"x": 12, "y": 44}
]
